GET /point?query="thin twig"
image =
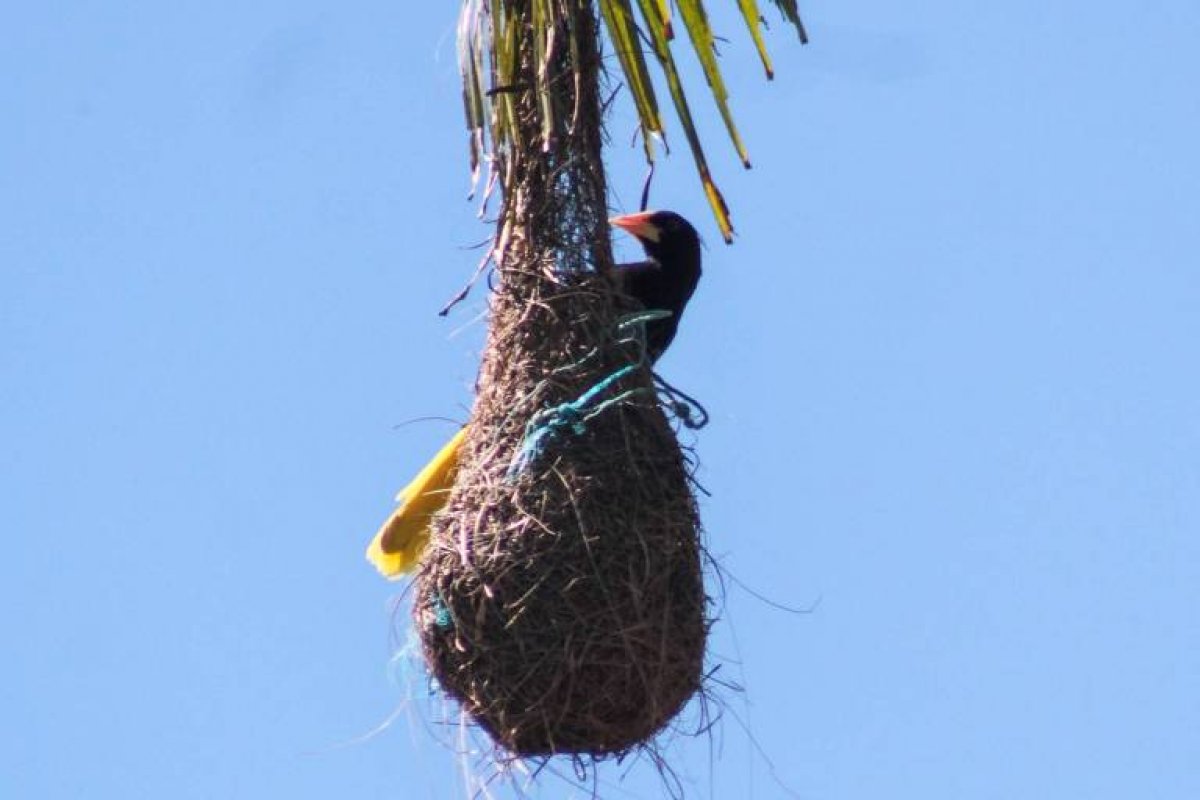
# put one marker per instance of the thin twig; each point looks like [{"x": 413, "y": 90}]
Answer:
[{"x": 462, "y": 294}]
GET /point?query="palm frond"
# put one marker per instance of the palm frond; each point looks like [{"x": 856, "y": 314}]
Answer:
[
  {"x": 658, "y": 38},
  {"x": 792, "y": 14},
  {"x": 705, "y": 44},
  {"x": 470, "y": 61},
  {"x": 618, "y": 18},
  {"x": 753, "y": 18},
  {"x": 490, "y": 28}
]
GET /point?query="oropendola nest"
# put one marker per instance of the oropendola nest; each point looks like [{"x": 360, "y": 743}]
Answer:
[
  {"x": 564, "y": 607},
  {"x": 562, "y": 603}
]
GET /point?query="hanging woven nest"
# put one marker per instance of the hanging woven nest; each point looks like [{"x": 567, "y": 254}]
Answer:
[
  {"x": 561, "y": 600},
  {"x": 564, "y": 609}
]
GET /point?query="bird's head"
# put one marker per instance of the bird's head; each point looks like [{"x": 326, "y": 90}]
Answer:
[{"x": 666, "y": 237}]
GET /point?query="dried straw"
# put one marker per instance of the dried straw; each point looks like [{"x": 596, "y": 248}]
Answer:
[{"x": 563, "y": 604}]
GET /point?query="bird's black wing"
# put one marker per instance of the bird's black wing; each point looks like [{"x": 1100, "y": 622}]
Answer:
[
  {"x": 647, "y": 283},
  {"x": 624, "y": 274}
]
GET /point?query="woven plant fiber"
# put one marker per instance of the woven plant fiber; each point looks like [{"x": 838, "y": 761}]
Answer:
[{"x": 561, "y": 600}]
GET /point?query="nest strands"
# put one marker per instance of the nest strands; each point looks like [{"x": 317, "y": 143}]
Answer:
[{"x": 562, "y": 604}]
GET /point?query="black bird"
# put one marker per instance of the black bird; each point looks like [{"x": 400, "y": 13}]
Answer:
[{"x": 665, "y": 281}]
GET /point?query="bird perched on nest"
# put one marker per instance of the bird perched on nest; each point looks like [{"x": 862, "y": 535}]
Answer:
[{"x": 665, "y": 281}]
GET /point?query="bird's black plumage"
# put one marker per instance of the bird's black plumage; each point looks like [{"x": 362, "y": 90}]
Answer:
[{"x": 667, "y": 279}]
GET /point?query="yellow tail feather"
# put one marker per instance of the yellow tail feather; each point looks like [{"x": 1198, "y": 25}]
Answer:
[{"x": 400, "y": 543}]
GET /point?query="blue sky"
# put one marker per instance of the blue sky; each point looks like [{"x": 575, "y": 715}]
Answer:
[{"x": 951, "y": 363}]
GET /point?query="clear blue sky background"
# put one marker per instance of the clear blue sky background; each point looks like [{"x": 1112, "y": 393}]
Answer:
[{"x": 951, "y": 361}]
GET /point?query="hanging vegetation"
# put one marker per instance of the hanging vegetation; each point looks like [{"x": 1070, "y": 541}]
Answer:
[
  {"x": 488, "y": 51},
  {"x": 560, "y": 596}
]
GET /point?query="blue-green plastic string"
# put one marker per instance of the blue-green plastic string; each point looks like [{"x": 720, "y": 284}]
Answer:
[{"x": 549, "y": 423}]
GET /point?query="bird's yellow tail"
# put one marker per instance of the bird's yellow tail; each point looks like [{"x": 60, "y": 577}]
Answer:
[{"x": 399, "y": 544}]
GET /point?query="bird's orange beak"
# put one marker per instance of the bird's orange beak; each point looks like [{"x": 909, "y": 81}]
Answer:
[{"x": 638, "y": 224}]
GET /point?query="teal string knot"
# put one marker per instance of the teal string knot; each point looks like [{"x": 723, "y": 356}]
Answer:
[{"x": 549, "y": 424}]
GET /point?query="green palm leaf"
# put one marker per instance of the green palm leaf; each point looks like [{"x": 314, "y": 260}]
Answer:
[
  {"x": 618, "y": 18},
  {"x": 753, "y": 19},
  {"x": 705, "y": 44},
  {"x": 658, "y": 38},
  {"x": 792, "y": 14},
  {"x": 490, "y": 27}
]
